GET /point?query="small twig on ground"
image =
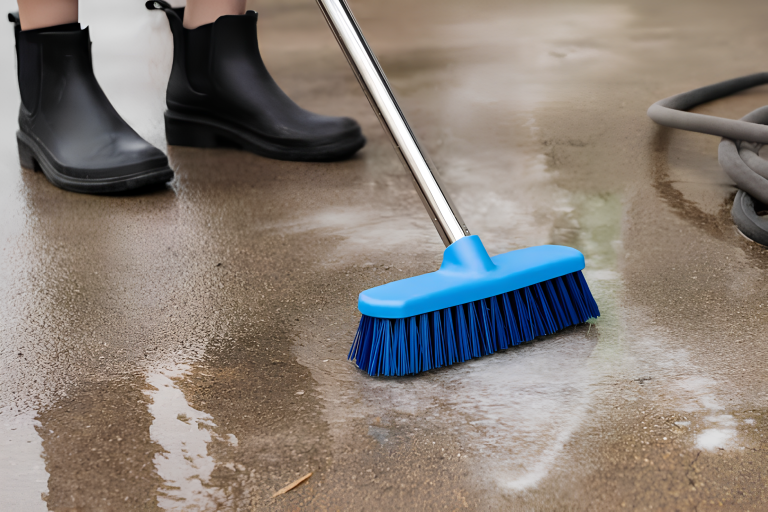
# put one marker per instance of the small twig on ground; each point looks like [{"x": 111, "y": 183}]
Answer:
[{"x": 292, "y": 485}]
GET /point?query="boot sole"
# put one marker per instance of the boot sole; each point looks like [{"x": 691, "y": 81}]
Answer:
[
  {"x": 204, "y": 132},
  {"x": 32, "y": 156}
]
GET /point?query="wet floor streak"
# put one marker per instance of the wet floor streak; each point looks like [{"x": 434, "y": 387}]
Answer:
[{"x": 98, "y": 449}]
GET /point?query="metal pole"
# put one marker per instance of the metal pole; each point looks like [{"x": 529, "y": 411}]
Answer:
[{"x": 366, "y": 67}]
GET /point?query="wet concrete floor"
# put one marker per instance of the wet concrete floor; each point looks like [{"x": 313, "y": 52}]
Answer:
[{"x": 185, "y": 349}]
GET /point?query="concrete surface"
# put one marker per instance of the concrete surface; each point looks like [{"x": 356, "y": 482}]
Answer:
[{"x": 185, "y": 349}]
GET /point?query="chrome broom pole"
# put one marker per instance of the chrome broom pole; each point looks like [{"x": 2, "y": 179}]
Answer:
[{"x": 366, "y": 67}]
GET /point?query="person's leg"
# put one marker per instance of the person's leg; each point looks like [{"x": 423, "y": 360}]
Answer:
[
  {"x": 46, "y": 13},
  {"x": 203, "y": 12}
]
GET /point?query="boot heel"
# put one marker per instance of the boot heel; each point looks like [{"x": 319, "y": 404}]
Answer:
[
  {"x": 186, "y": 133},
  {"x": 26, "y": 156}
]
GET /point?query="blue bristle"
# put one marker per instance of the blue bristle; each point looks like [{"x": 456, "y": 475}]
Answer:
[
  {"x": 406, "y": 346},
  {"x": 437, "y": 338},
  {"x": 554, "y": 303},
  {"x": 387, "y": 368},
  {"x": 462, "y": 334},
  {"x": 450, "y": 338},
  {"x": 366, "y": 341},
  {"x": 592, "y": 308},
  {"x": 510, "y": 325},
  {"x": 523, "y": 319},
  {"x": 535, "y": 313},
  {"x": 500, "y": 335},
  {"x": 374, "y": 356},
  {"x": 402, "y": 348},
  {"x": 489, "y": 340},
  {"x": 577, "y": 300},
  {"x": 474, "y": 331},
  {"x": 547, "y": 317},
  {"x": 425, "y": 346},
  {"x": 354, "y": 351},
  {"x": 564, "y": 300},
  {"x": 413, "y": 345}
]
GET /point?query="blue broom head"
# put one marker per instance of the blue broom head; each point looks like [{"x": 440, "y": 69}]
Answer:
[{"x": 474, "y": 305}]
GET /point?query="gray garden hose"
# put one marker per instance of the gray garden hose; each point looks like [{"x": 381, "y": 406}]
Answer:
[{"x": 739, "y": 151}]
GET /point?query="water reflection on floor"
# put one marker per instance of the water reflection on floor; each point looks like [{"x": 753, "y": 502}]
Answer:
[
  {"x": 184, "y": 434},
  {"x": 23, "y": 478}
]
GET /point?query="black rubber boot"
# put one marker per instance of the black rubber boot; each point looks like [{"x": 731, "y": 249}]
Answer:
[
  {"x": 67, "y": 127},
  {"x": 221, "y": 94}
]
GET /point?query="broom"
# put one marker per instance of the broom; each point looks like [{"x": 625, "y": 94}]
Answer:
[{"x": 474, "y": 305}]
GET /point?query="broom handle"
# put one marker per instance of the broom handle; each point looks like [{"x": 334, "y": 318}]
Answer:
[{"x": 366, "y": 67}]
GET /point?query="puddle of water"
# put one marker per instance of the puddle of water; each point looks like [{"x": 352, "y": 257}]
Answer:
[
  {"x": 184, "y": 433},
  {"x": 23, "y": 478}
]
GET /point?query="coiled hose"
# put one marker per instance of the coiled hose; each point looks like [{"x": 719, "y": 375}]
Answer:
[{"x": 739, "y": 151}]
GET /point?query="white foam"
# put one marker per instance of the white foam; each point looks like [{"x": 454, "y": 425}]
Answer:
[
  {"x": 720, "y": 436},
  {"x": 698, "y": 394}
]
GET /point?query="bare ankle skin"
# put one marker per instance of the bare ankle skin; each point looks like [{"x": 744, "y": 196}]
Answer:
[
  {"x": 202, "y": 12},
  {"x": 35, "y": 14}
]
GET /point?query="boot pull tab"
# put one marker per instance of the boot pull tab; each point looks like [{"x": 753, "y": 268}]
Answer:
[
  {"x": 154, "y": 5},
  {"x": 13, "y": 17}
]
